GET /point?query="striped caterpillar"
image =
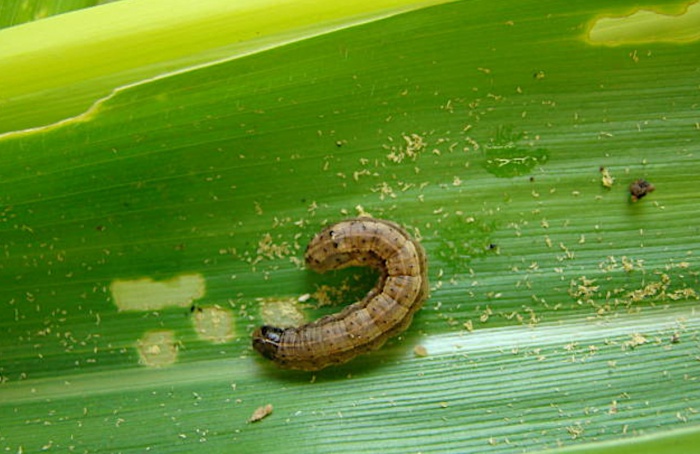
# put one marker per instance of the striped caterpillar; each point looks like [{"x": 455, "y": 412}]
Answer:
[{"x": 366, "y": 325}]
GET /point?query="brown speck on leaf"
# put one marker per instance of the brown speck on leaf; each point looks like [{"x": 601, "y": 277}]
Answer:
[
  {"x": 676, "y": 338},
  {"x": 261, "y": 413},
  {"x": 640, "y": 188}
]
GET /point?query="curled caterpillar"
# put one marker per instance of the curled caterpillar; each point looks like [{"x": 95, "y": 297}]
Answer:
[{"x": 385, "y": 311}]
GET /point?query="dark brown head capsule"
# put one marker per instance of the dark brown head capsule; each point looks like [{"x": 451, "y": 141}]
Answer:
[{"x": 266, "y": 341}]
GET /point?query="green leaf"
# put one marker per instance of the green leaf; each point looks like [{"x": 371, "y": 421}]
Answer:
[
  {"x": 162, "y": 176},
  {"x": 68, "y": 65}
]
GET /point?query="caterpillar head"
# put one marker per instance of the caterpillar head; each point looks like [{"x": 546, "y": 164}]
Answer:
[{"x": 266, "y": 341}]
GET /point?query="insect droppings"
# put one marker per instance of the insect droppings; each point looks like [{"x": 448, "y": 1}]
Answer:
[
  {"x": 261, "y": 413},
  {"x": 640, "y": 188}
]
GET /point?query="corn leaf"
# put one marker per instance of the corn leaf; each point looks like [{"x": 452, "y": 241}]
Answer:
[{"x": 164, "y": 166}]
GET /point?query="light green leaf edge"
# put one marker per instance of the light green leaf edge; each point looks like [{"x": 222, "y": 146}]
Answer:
[{"x": 111, "y": 47}]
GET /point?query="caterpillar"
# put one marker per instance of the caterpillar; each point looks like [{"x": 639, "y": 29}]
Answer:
[{"x": 385, "y": 311}]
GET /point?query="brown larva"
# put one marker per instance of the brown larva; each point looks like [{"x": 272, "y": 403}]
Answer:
[{"x": 363, "y": 326}]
